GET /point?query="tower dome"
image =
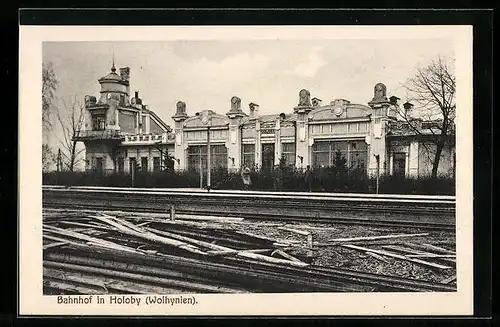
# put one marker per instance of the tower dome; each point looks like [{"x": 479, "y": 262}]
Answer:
[{"x": 113, "y": 84}]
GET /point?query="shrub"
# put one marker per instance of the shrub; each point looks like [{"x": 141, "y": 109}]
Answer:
[{"x": 281, "y": 178}]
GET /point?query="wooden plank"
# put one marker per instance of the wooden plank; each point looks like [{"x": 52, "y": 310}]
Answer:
[
  {"x": 376, "y": 256},
  {"x": 414, "y": 252},
  {"x": 75, "y": 223},
  {"x": 261, "y": 237},
  {"x": 286, "y": 255},
  {"x": 284, "y": 245},
  {"x": 107, "y": 284},
  {"x": 403, "y": 249},
  {"x": 87, "y": 238},
  {"x": 55, "y": 244},
  {"x": 394, "y": 255},
  {"x": 449, "y": 279},
  {"x": 147, "y": 235},
  {"x": 59, "y": 239},
  {"x": 301, "y": 232},
  {"x": 430, "y": 255},
  {"x": 193, "y": 286},
  {"x": 371, "y": 238},
  {"x": 69, "y": 287},
  {"x": 207, "y": 218},
  {"x": 438, "y": 249},
  {"x": 226, "y": 252},
  {"x": 222, "y": 248},
  {"x": 430, "y": 247},
  {"x": 313, "y": 227}
]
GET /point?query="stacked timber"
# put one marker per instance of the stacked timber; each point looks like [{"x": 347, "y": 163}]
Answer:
[{"x": 91, "y": 253}]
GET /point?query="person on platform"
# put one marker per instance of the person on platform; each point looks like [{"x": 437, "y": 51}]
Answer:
[
  {"x": 308, "y": 178},
  {"x": 245, "y": 176}
]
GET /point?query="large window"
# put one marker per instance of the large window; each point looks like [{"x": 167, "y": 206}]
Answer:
[
  {"x": 198, "y": 155},
  {"x": 353, "y": 152},
  {"x": 249, "y": 155},
  {"x": 288, "y": 152},
  {"x": 98, "y": 122}
]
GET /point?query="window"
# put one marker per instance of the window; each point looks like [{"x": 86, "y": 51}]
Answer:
[
  {"x": 156, "y": 163},
  {"x": 198, "y": 155},
  {"x": 399, "y": 164},
  {"x": 249, "y": 155},
  {"x": 218, "y": 156},
  {"x": 98, "y": 122},
  {"x": 288, "y": 152},
  {"x": 357, "y": 158},
  {"x": 144, "y": 163},
  {"x": 121, "y": 165},
  {"x": 354, "y": 152}
]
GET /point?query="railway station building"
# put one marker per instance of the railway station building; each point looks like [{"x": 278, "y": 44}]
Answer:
[{"x": 121, "y": 132}]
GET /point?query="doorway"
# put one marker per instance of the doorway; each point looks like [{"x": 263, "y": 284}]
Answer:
[
  {"x": 268, "y": 156},
  {"x": 399, "y": 164}
]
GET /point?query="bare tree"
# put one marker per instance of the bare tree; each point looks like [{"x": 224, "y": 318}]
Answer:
[
  {"x": 432, "y": 91},
  {"x": 48, "y": 158},
  {"x": 71, "y": 125},
  {"x": 49, "y": 85}
]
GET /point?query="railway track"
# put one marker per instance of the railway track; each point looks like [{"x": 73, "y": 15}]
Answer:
[{"x": 427, "y": 212}]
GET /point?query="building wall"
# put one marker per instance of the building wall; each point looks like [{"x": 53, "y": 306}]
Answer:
[
  {"x": 154, "y": 127},
  {"x": 127, "y": 122},
  {"x": 419, "y": 158},
  {"x": 99, "y": 150},
  {"x": 426, "y": 157},
  {"x": 144, "y": 151}
]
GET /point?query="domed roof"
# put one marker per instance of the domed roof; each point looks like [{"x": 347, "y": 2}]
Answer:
[{"x": 113, "y": 76}]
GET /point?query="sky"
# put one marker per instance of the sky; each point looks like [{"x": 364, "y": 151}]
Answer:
[{"x": 206, "y": 74}]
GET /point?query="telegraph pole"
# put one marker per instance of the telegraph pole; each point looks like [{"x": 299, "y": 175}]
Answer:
[
  {"x": 133, "y": 172},
  {"x": 378, "y": 170},
  {"x": 59, "y": 161},
  {"x": 208, "y": 158},
  {"x": 206, "y": 119},
  {"x": 201, "y": 168}
]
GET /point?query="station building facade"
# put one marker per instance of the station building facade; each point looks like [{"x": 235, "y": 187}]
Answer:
[{"x": 121, "y": 132}]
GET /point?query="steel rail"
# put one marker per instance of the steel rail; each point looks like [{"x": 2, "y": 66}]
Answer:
[
  {"x": 412, "y": 213},
  {"x": 348, "y": 197},
  {"x": 449, "y": 198}
]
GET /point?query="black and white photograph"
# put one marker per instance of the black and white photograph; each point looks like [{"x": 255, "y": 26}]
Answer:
[{"x": 206, "y": 171}]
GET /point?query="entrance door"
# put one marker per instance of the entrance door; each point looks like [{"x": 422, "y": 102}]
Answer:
[
  {"x": 267, "y": 156},
  {"x": 399, "y": 164}
]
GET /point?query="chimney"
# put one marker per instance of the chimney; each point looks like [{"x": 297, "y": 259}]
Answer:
[
  {"x": 394, "y": 100},
  {"x": 408, "y": 108},
  {"x": 316, "y": 102},
  {"x": 125, "y": 74},
  {"x": 137, "y": 94},
  {"x": 254, "y": 110}
]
